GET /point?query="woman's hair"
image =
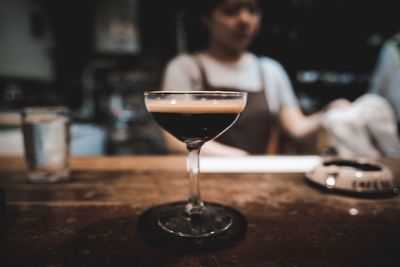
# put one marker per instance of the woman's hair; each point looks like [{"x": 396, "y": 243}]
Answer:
[
  {"x": 205, "y": 7},
  {"x": 196, "y": 32}
]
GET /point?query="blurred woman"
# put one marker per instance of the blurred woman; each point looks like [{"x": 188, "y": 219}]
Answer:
[{"x": 226, "y": 64}]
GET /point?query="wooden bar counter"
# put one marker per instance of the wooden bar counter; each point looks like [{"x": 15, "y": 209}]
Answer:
[{"x": 92, "y": 219}]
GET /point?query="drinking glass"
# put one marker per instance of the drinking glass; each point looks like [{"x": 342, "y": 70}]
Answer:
[
  {"x": 195, "y": 117},
  {"x": 46, "y": 134}
]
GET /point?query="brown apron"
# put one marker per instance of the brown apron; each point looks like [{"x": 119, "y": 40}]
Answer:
[{"x": 252, "y": 130}]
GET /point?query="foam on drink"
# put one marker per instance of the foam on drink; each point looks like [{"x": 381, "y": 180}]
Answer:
[{"x": 195, "y": 106}]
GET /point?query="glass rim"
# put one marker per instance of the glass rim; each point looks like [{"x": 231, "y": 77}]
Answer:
[{"x": 220, "y": 93}]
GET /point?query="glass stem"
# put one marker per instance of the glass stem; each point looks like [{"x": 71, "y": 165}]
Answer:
[{"x": 195, "y": 205}]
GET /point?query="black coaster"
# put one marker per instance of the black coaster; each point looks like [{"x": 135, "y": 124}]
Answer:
[{"x": 150, "y": 230}]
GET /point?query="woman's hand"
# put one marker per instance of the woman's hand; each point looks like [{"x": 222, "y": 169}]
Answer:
[{"x": 338, "y": 103}]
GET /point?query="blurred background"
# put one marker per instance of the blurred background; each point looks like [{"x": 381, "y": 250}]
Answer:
[{"x": 98, "y": 57}]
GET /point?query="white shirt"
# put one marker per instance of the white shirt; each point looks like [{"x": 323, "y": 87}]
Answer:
[
  {"x": 386, "y": 76},
  {"x": 182, "y": 73}
]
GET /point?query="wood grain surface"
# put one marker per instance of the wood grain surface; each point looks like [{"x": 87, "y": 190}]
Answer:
[{"x": 91, "y": 220}]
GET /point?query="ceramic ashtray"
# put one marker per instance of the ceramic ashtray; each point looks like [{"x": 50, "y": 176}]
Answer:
[{"x": 359, "y": 176}]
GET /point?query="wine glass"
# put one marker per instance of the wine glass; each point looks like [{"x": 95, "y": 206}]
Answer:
[{"x": 195, "y": 117}]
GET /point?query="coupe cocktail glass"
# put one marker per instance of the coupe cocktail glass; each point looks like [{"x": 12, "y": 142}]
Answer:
[{"x": 195, "y": 117}]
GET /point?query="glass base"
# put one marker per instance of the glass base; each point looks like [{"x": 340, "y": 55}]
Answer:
[
  {"x": 48, "y": 176},
  {"x": 212, "y": 220},
  {"x": 228, "y": 227}
]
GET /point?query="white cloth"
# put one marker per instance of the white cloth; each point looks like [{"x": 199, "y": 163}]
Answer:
[
  {"x": 366, "y": 128},
  {"x": 182, "y": 73}
]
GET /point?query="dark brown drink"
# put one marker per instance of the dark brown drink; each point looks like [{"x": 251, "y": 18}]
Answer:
[
  {"x": 195, "y": 126},
  {"x": 200, "y": 120}
]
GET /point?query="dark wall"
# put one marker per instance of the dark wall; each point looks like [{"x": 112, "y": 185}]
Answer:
[{"x": 337, "y": 37}]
